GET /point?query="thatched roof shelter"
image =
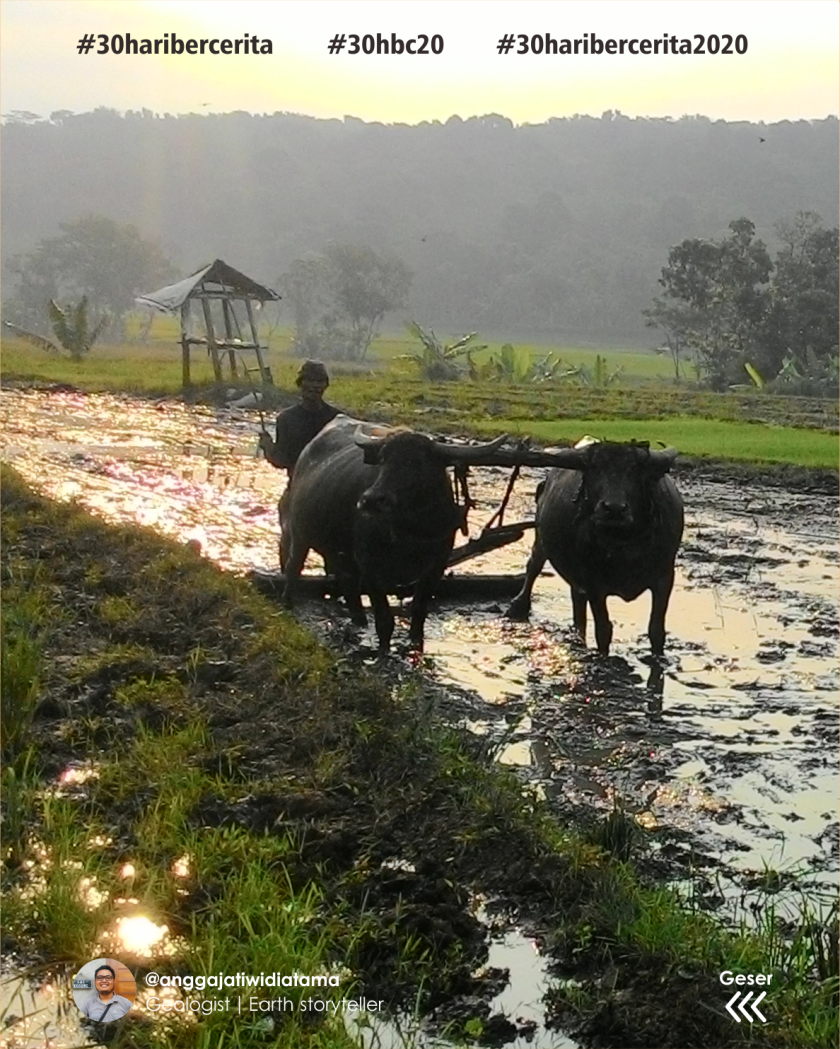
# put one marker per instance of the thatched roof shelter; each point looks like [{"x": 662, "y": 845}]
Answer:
[{"x": 222, "y": 286}]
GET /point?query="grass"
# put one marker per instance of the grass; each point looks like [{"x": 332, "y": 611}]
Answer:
[
  {"x": 633, "y": 932},
  {"x": 639, "y": 364},
  {"x": 634, "y": 364},
  {"x": 155, "y": 365},
  {"x": 289, "y": 781},
  {"x": 64, "y": 904},
  {"x": 744, "y": 426},
  {"x": 147, "y": 369},
  {"x": 751, "y": 442},
  {"x": 26, "y": 610},
  {"x": 254, "y": 902}
]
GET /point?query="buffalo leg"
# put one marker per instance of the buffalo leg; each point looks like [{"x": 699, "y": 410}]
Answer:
[
  {"x": 353, "y": 600},
  {"x": 656, "y": 688},
  {"x": 520, "y": 606},
  {"x": 603, "y": 626},
  {"x": 423, "y": 594},
  {"x": 347, "y": 578},
  {"x": 284, "y": 542},
  {"x": 282, "y": 549},
  {"x": 294, "y": 566},
  {"x": 579, "y": 612},
  {"x": 660, "y": 596},
  {"x": 383, "y": 617}
]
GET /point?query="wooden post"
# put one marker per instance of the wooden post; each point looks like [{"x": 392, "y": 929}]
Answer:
[
  {"x": 234, "y": 374},
  {"x": 211, "y": 340},
  {"x": 265, "y": 373},
  {"x": 185, "y": 346},
  {"x": 235, "y": 320}
]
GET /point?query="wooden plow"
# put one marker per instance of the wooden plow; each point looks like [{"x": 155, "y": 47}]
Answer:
[{"x": 495, "y": 534}]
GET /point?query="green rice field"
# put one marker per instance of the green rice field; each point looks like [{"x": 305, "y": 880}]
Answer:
[{"x": 643, "y": 402}]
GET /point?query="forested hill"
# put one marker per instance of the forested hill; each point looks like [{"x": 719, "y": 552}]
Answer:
[{"x": 556, "y": 230}]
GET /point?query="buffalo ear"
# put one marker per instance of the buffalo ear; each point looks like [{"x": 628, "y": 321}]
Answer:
[{"x": 373, "y": 454}]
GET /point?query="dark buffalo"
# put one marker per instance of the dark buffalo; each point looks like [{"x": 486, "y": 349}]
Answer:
[
  {"x": 380, "y": 510},
  {"x": 610, "y": 522}
]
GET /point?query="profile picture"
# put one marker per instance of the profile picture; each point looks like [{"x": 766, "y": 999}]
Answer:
[{"x": 104, "y": 989}]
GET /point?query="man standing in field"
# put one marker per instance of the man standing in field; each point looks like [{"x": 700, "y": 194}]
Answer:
[{"x": 296, "y": 426}]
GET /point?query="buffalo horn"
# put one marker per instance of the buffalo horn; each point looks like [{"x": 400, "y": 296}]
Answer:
[
  {"x": 366, "y": 440},
  {"x": 567, "y": 458},
  {"x": 665, "y": 459},
  {"x": 468, "y": 453},
  {"x": 578, "y": 458}
]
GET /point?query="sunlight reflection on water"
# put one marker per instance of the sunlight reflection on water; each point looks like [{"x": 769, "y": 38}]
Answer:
[{"x": 753, "y": 649}]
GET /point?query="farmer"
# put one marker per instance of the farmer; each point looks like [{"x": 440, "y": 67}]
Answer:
[
  {"x": 296, "y": 426},
  {"x": 105, "y": 1005}
]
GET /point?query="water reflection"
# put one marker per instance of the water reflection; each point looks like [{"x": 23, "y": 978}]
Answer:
[
  {"x": 746, "y": 694},
  {"x": 139, "y": 936},
  {"x": 75, "y": 775},
  {"x": 125, "y": 460},
  {"x": 520, "y": 1000},
  {"x": 40, "y": 1014}
]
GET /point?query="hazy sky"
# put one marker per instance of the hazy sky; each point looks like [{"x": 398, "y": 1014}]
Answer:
[{"x": 790, "y": 70}]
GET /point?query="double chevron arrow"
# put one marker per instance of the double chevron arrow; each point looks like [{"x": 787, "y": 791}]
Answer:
[{"x": 744, "y": 1012}]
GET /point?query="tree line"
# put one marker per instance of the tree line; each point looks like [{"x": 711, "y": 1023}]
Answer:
[
  {"x": 726, "y": 307},
  {"x": 550, "y": 232}
]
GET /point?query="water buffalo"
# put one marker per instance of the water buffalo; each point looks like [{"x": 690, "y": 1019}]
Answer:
[
  {"x": 610, "y": 521},
  {"x": 381, "y": 512}
]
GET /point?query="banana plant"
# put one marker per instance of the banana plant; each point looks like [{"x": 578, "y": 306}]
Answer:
[
  {"x": 72, "y": 329},
  {"x": 439, "y": 361},
  {"x": 517, "y": 366}
]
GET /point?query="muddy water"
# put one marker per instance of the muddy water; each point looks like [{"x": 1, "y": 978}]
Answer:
[
  {"x": 42, "y": 1017},
  {"x": 734, "y": 753},
  {"x": 738, "y": 745}
]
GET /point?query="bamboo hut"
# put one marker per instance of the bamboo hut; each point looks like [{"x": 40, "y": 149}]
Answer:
[{"x": 226, "y": 300}]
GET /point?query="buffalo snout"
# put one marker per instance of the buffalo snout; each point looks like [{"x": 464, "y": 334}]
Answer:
[
  {"x": 614, "y": 512},
  {"x": 376, "y": 501}
]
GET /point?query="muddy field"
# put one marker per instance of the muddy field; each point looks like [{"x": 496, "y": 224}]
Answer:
[{"x": 734, "y": 754}]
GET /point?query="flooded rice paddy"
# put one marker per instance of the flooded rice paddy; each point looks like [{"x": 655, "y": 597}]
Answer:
[{"x": 734, "y": 751}]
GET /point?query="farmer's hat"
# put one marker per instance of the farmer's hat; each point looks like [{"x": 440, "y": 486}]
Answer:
[{"x": 312, "y": 371}]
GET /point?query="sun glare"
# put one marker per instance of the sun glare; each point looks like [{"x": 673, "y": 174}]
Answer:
[
  {"x": 139, "y": 935},
  {"x": 790, "y": 70}
]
